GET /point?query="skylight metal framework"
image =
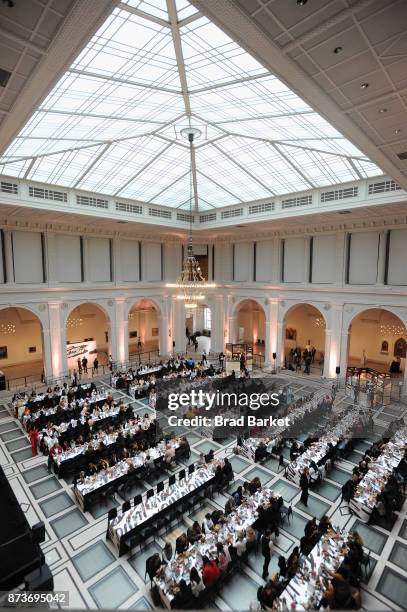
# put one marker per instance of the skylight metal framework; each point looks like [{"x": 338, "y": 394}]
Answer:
[{"x": 112, "y": 122}]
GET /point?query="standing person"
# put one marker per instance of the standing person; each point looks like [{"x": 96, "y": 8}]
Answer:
[
  {"x": 188, "y": 335},
  {"x": 307, "y": 361},
  {"x": 196, "y": 344},
  {"x": 139, "y": 344},
  {"x": 313, "y": 352},
  {"x": 85, "y": 364},
  {"x": 242, "y": 361},
  {"x": 79, "y": 362},
  {"x": 304, "y": 485},
  {"x": 96, "y": 365},
  {"x": 221, "y": 360},
  {"x": 204, "y": 360},
  {"x": 74, "y": 379},
  {"x": 33, "y": 435},
  {"x": 266, "y": 551},
  {"x": 110, "y": 361}
]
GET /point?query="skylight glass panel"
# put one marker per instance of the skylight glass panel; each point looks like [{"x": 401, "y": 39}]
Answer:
[
  {"x": 107, "y": 123},
  {"x": 160, "y": 174},
  {"x": 119, "y": 163}
]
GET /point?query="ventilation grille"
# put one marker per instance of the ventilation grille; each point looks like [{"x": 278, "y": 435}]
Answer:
[
  {"x": 339, "y": 194},
  {"x": 256, "y": 209},
  {"x": 207, "y": 217},
  {"x": 294, "y": 202},
  {"x": 185, "y": 217},
  {"x": 135, "y": 209},
  {"x": 9, "y": 187},
  {"x": 4, "y": 77},
  {"x": 383, "y": 187},
  {"x": 229, "y": 214},
  {"x": 94, "y": 202},
  {"x": 47, "y": 194},
  {"x": 156, "y": 212}
]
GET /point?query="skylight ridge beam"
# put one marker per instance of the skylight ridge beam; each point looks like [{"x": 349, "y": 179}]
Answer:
[
  {"x": 189, "y": 19},
  {"x": 276, "y": 116},
  {"x": 176, "y": 39},
  {"x": 124, "y": 81},
  {"x": 151, "y": 161},
  {"x": 95, "y": 116},
  {"x": 236, "y": 163},
  {"x": 89, "y": 168},
  {"x": 144, "y": 15},
  {"x": 294, "y": 166},
  {"x": 228, "y": 83},
  {"x": 157, "y": 195},
  {"x": 220, "y": 186}
]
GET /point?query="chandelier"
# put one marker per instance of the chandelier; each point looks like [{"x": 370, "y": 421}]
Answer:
[
  {"x": 191, "y": 283},
  {"x": 320, "y": 322},
  {"x": 388, "y": 329},
  {"x": 7, "y": 328}
]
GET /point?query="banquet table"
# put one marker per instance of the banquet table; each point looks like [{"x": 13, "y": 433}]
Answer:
[
  {"x": 318, "y": 451},
  {"x": 297, "y": 414},
  {"x": 179, "y": 568},
  {"x": 150, "y": 510},
  {"x": 374, "y": 481},
  {"x": 72, "y": 459},
  {"x": 116, "y": 475},
  {"x": 306, "y": 588}
]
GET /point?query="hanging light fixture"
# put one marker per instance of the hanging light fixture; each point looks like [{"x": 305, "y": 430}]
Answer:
[{"x": 191, "y": 282}]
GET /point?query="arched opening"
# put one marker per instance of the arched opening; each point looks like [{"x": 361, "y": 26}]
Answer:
[
  {"x": 87, "y": 335},
  {"x": 198, "y": 326},
  {"x": 250, "y": 330},
  {"x": 143, "y": 327},
  {"x": 21, "y": 344},
  {"x": 377, "y": 338},
  {"x": 304, "y": 328}
]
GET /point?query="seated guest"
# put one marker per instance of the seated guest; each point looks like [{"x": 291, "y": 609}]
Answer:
[
  {"x": 181, "y": 543},
  {"x": 209, "y": 456},
  {"x": 260, "y": 453},
  {"x": 293, "y": 562},
  {"x": 194, "y": 533},
  {"x": 196, "y": 582},
  {"x": 238, "y": 496},
  {"x": 168, "y": 554},
  {"x": 183, "y": 598},
  {"x": 282, "y": 566},
  {"x": 267, "y": 594},
  {"x": 324, "y": 524},
  {"x": 223, "y": 557},
  {"x": 229, "y": 506},
  {"x": 210, "y": 572},
  {"x": 310, "y": 529},
  {"x": 169, "y": 454},
  {"x": 227, "y": 470},
  {"x": 207, "y": 524}
]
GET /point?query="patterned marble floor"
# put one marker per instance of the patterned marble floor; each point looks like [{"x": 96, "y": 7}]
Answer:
[{"x": 86, "y": 565}]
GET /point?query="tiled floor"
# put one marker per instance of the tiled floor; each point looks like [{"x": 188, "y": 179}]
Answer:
[{"x": 86, "y": 564}]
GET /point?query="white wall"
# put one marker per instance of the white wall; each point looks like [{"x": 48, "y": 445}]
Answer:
[
  {"x": 143, "y": 322},
  {"x": 363, "y": 258},
  {"x": 264, "y": 260},
  {"x": 130, "y": 261},
  {"x": 27, "y": 251},
  {"x": 94, "y": 325},
  {"x": 27, "y": 333},
  {"x": 243, "y": 263},
  {"x": 324, "y": 259},
  {"x": 151, "y": 261},
  {"x": 302, "y": 319},
  {"x": 67, "y": 258},
  {"x": 397, "y": 270},
  {"x": 295, "y": 263},
  {"x": 172, "y": 261},
  {"x": 98, "y": 259}
]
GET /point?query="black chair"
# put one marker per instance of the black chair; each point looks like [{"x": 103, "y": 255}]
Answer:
[
  {"x": 365, "y": 563},
  {"x": 150, "y": 493},
  {"x": 191, "y": 468},
  {"x": 171, "y": 480},
  {"x": 181, "y": 474},
  {"x": 111, "y": 514},
  {"x": 126, "y": 506},
  {"x": 137, "y": 500},
  {"x": 160, "y": 487}
]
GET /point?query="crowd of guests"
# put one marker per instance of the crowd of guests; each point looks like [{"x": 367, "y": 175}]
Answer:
[{"x": 297, "y": 358}]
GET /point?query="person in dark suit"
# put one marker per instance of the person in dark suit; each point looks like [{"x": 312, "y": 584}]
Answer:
[{"x": 304, "y": 486}]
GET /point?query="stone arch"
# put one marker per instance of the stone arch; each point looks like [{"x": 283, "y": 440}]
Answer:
[
  {"x": 101, "y": 333},
  {"x": 143, "y": 335},
  {"x": 298, "y": 330}
]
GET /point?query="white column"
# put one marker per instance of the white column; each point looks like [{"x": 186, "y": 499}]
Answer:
[
  {"x": 120, "y": 348},
  {"x": 218, "y": 325},
  {"x": 271, "y": 339},
  {"x": 55, "y": 359},
  {"x": 166, "y": 331},
  {"x": 335, "y": 346},
  {"x": 178, "y": 308},
  {"x": 52, "y": 279}
]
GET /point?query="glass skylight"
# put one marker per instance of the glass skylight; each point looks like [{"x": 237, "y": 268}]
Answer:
[{"x": 112, "y": 123}]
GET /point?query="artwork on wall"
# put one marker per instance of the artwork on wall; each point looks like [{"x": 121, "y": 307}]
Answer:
[
  {"x": 385, "y": 347},
  {"x": 154, "y": 331},
  {"x": 290, "y": 333},
  {"x": 3, "y": 352},
  {"x": 32, "y": 349},
  {"x": 400, "y": 348},
  {"x": 133, "y": 334}
]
